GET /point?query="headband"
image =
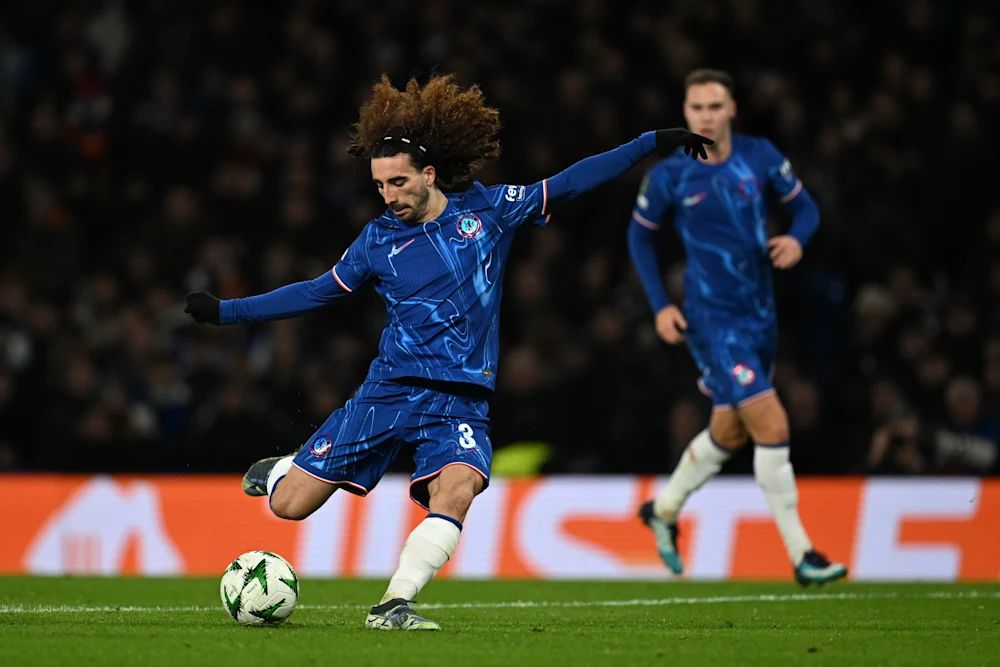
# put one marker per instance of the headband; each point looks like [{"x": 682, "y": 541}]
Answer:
[{"x": 405, "y": 141}]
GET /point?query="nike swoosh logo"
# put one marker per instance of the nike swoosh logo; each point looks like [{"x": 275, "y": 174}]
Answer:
[
  {"x": 395, "y": 251},
  {"x": 693, "y": 199}
]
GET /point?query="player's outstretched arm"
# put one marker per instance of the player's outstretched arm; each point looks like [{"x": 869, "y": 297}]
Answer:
[
  {"x": 597, "y": 170},
  {"x": 284, "y": 302}
]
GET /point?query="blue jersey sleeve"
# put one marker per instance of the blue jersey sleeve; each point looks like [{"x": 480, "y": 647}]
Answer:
[
  {"x": 652, "y": 204},
  {"x": 351, "y": 272},
  {"x": 596, "y": 170},
  {"x": 287, "y": 301},
  {"x": 654, "y": 200},
  {"x": 519, "y": 204},
  {"x": 779, "y": 172},
  {"x": 784, "y": 182},
  {"x": 354, "y": 268}
]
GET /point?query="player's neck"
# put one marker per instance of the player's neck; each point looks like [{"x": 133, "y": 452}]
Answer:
[
  {"x": 720, "y": 152},
  {"x": 436, "y": 204}
]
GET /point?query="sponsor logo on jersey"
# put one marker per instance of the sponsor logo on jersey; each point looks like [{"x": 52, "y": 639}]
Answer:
[
  {"x": 320, "y": 446},
  {"x": 693, "y": 199},
  {"x": 744, "y": 374},
  {"x": 469, "y": 225},
  {"x": 514, "y": 193}
]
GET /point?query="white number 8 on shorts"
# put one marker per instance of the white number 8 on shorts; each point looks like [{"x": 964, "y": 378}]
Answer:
[{"x": 466, "y": 441}]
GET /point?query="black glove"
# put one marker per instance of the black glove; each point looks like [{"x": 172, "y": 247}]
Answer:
[
  {"x": 667, "y": 141},
  {"x": 203, "y": 307}
]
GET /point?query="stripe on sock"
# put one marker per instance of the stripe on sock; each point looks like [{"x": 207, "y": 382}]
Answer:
[{"x": 447, "y": 518}]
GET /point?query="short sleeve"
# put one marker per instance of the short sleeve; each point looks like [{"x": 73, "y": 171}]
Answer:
[
  {"x": 780, "y": 176},
  {"x": 354, "y": 268},
  {"x": 654, "y": 200},
  {"x": 519, "y": 204}
]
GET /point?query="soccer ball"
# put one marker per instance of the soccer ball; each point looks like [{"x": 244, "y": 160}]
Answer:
[{"x": 259, "y": 588}]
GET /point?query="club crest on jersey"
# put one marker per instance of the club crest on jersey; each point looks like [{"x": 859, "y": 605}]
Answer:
[
  {"x": 469, "y": 225},
  {"x": 748, "y": 188},
  {"x": 320, "y": 446},
  {"x": 744, "y": 374}
]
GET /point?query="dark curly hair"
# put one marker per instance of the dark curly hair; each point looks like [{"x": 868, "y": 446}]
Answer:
[{"x": 438, "y": 124}]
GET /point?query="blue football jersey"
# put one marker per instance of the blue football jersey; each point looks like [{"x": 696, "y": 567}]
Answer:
[
  {"x": 442, "y": 282},
  {"x": 720, "y": 214}
]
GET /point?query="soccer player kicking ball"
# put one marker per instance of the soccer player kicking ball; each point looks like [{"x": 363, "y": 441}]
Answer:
[
  {"x": 436, "y": 256},
  {"x": 729, "y": 319}
]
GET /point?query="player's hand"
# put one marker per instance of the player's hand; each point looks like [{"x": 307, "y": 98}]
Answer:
[
  {"x": 667, "y": 141},
  {"x": 671, "y": 325},
  {"x": 203, "y": 307},
  {"x": 786, "y": 251}
]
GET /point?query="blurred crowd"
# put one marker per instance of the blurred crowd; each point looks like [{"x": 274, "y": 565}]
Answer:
[{"x": 148, "y": 149}]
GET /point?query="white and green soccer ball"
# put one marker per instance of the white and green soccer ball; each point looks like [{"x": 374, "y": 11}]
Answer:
[{"x": 259, "y": 588}]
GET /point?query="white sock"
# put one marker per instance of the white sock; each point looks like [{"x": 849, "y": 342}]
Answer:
[
  {"x": 700, "y": 462},
  {"x": 425, "y": 551},
  {"x": 278, "y": 473},
  {"x": 775, "y": 476}
]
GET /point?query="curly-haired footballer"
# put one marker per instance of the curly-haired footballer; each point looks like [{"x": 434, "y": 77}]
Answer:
[{"x": 436, "y": 256}]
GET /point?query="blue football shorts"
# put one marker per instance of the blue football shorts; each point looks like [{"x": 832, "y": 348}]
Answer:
[
  {"x": 736, "y": 358},
  {"x": 356, "y": 444}
]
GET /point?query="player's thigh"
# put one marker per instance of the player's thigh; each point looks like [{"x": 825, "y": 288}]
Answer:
[
  {"x": 765, "y": 419},
  {"x": 298, "y": 495},
  {"x": 354, "y": 447},
  {"x": 451, "y": 437}
]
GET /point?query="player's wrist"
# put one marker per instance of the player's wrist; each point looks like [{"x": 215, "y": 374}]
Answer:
[
  {"x": 798, "y": 239},
  {"x": 662, "y": 309}
]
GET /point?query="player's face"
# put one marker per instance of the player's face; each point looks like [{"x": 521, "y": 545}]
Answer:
[
  {"x": 709, "y": 110},
  {"x": 404, "y": 188}
]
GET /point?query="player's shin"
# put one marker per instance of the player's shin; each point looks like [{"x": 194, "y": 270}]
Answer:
[
  {"x": 702, "y": 459},
  {"x": 425, "y": 551},
  {"x": 773, "y": 470}
]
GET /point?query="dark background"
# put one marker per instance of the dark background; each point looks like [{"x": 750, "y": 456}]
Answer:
[{"x": 152, "y": 148}]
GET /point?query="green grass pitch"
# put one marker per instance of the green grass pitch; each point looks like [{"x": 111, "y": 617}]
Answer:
[{"x": 162, "y": 621}]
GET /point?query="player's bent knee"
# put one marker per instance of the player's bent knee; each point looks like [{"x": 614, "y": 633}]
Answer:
[
  {"x": 731, "y": 440},
  {"x": 727, "y": 431}
]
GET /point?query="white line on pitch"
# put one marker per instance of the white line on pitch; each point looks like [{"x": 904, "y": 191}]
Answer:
[{"x": 531, "y": 604}]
